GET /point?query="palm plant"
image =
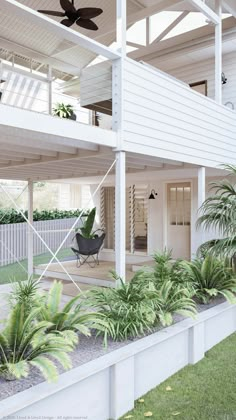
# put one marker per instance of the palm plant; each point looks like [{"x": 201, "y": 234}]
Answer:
[
  {"x": 128, "y": 309},
  {"x": 70, "y": 319},
  {"x": 210, "y": 278},
  {"x": 218, "y": 213},
  {"x": 23, "y": 343}
]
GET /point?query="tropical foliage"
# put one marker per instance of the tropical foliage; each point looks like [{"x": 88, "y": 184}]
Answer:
[
  {"x": 71, "y": 318},
  {"x": 12, "y": 216},
  {"x": 172, "y": 288},
  {"x": 210, "y": 278},
  {"x": 87, "y": 229},
  {"x": 218, "y": 213},
  {"x": 23, "y": 343},
  {"x": 128, "y": 309},
  {"x": 25, "y": 293},
  {"x": 63, "y": 111}
]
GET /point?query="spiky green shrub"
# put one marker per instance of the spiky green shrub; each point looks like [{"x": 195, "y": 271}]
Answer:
[
  {"x": 128, "y": 309},
  {"x": 210, "y": 278},
  {"x": 164, "y": 270},
  {"x": 23, "y": 343},
  {"x": 170, "y": 300},
  {"x": 26, "y": 293},
  {"x": 72, "y": 317}
]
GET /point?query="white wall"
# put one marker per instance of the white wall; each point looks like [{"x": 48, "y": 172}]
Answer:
[
  {"x": 205, "y": 70},
  {"x": 166, "y": 118},
  {"x": 157, "y": 208}
]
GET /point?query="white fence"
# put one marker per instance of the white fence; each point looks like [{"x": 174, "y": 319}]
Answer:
[{"x": 13, "y": 238}]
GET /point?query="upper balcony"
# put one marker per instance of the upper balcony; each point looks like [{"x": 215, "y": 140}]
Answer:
[{"x": 140, "y": 107}]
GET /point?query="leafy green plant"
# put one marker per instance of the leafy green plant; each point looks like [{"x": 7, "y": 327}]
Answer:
[
  {"x": 25, "y": 293},
  {"x": 210, "y": 278},
  {"x": 63, "y": 111},
  {"x": 218, "y": 213},
  {"x": 127, "y": 310},
  {"x": 23, "y": 343},
  {"x": 165, "y": 269},
  {"x": 87, "y": 229},
  {"x": 71, "y": 318},
  {"x": 169, "y": 300}
]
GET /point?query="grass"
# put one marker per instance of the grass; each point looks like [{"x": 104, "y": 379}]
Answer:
[
  {"x": 13, "y": 272},
  {"x": 205, "y": 391}
]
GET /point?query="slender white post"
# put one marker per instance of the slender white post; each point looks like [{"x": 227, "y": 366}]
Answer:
[
  {"x": 30, "y": 231},
  {"x": 120, "y": 215},
  {"x": 121, "y": 22},
  {"x": 50, "y": 90},
  {"x": 201, "y": 196},
  {"x": 218, "y": 54}
]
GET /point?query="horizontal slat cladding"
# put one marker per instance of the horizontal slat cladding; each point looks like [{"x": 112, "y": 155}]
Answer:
[{"x": 163, "y": 114}]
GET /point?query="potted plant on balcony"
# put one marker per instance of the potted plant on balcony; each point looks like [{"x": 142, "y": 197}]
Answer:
[
  {"x": 64, "y": 111},
  {"x": 88, "y": 241}
]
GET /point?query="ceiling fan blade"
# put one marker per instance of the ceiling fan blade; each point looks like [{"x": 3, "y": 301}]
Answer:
[
  {"x": 67, "y": 6},
  {"x": 67, "y": 22},
  {"x": 52, "y": 13},
  {"x": 89, "y": 12},
  {"x": 87, "y": 24}
]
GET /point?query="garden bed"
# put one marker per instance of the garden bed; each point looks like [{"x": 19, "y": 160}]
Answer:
[{"x": 109, "y": 380}]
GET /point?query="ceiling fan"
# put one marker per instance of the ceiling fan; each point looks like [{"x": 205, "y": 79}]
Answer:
[{"x": 82, "y": 17}]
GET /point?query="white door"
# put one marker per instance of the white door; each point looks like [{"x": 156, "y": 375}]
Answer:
[{"x": 179, "y": 219}]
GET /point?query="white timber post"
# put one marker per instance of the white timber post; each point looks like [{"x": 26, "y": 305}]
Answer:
[
  {"x": 201, "y": 197},
  {"x": 118, "y": 106},
  {"x": 120, "y": 214},
  {"x": 218, "y": 53},
  {"x": 50, "y": 90},
  {"x": 30, "y": 231}
]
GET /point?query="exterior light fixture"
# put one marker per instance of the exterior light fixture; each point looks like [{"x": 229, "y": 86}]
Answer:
[
  {"x": 152, "y": 195},
  {"x": 223, "y": 78}
]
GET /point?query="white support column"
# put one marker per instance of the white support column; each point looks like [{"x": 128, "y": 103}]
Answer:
[
  {"x": 121, "y": 23},
  {"x": 50, "y": 90},
  {"x": 201, "y": 197},
  {"x": 30, "y": 231},
  {"x": 218, "y": 54},
  {"x": 120, "y": 215}
]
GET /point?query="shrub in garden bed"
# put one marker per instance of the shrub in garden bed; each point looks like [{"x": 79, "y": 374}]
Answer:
[{"x": 13, "y": 216}]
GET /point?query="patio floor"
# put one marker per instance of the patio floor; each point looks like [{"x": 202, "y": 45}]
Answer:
[{"x": 85, "y": 275}]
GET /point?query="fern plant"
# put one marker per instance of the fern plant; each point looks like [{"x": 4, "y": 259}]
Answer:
[
  {"x": 23, "y": 343},
  {"x": 71, "y": 318},
  {"x": 128, "y": 309},
  {"x": 210, "y": 278}
]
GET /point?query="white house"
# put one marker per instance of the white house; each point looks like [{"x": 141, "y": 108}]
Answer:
[{"x": 154, "y": 72}]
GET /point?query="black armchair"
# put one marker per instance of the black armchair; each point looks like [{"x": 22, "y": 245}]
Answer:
[{"x": 88, "y": 249}]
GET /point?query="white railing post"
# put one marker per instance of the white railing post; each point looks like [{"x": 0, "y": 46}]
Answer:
[
  {"x": 50, "y": 90},
  {"x": 201, "y": 197},
  {"x": 30, "y": 231},
  {"x": 121, "y": 22},
  {"x": 120, "y": 214},
  {"x": 218, "y": 54}
]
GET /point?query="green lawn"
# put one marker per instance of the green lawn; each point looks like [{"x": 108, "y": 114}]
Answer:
[
  {"x": 13, "y": 272},
  {"x": 206, "y": 391}
]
